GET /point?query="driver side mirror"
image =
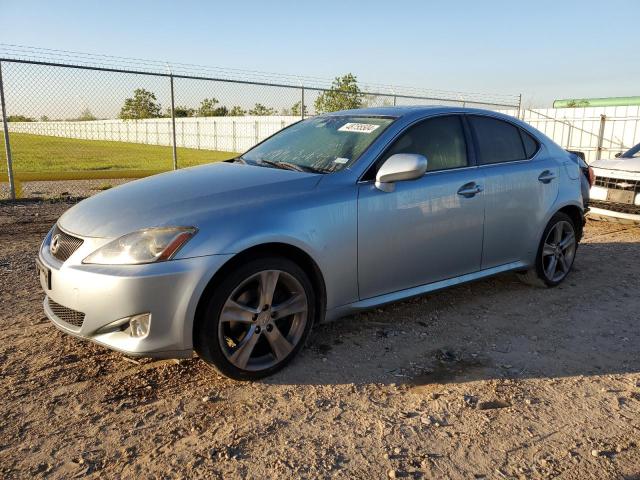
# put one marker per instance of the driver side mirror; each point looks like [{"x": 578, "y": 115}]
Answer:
[{"x": 400, "y": 167}]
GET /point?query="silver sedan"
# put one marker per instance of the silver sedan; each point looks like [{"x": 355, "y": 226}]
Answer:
[{"x": 335, "y": 214}]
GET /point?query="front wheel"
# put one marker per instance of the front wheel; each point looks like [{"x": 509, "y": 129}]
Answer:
[
  {"x": 556, "y": 253},
  {"x": 256, "y": 319}
]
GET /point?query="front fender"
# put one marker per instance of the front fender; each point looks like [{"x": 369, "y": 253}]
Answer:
[{"x": 325, "y": 230}]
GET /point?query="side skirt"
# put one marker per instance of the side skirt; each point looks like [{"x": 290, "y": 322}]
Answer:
[{"x": 379, "y": 300}]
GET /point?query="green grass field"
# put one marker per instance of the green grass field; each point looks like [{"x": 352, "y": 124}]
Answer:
[{"x": 43, "y": 154}]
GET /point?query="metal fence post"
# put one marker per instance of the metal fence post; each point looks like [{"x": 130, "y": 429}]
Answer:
[
  {"x": 570, "y": 135},
  {"x": 173, "y": 126},
  {"x": 603, "y": 120},
  {"x": 520, "y": 107},
  {"x": 233, "y": 125},
  {"x": 302, "y": 104},
  {"x": 7, "y": 145}
]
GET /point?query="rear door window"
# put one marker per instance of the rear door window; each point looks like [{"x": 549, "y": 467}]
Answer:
[{"x": 499, "y": 141}]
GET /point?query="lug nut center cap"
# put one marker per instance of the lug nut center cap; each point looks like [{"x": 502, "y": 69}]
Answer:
[{"x": 264, "y": 317}]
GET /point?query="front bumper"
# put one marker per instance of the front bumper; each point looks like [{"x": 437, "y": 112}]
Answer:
[
  {"x": 605, "y": 213},
  {"x": 103, "y": 294},
  {"x": 602, "y": 207}
]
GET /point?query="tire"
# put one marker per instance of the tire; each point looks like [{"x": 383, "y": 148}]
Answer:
[
  {"x": 257, "y": 319},
  {"x": 556, "y": 253}
]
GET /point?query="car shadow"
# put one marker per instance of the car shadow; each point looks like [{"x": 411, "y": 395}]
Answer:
[{"x": 491, "y": 329}]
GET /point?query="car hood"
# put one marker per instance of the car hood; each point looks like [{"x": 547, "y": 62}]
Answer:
[
  {"x": 623, "y": 164},
  {"x": 186, "y": 197}
]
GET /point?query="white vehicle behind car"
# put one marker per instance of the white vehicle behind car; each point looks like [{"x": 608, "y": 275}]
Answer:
[{"x": 615, "y": 195}]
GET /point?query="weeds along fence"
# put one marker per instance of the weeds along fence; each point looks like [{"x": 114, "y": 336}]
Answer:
[{"x": 74, "y": 124}]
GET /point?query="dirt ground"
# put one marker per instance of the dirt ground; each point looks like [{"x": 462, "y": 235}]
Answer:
[
  {"x": 489, "y": 380},
  {"x": 66, "y": 190}
]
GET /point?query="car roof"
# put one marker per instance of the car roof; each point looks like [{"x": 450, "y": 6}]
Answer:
[
  {"x": 412, "y": 111},
  {"x": 405, "y": 115}
]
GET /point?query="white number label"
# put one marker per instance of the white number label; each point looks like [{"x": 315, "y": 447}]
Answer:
[{"x": 358, "y": 127}]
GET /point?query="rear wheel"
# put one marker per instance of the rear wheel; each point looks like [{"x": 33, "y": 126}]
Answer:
[
  {"x": 257, "y": 319},
  {"x": 556, "y": 253}
]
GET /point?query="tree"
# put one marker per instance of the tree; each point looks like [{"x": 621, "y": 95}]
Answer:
[
  {"x": 209, "y": 108},
  {"x": 377, "y": 101},
  {"x": 578, "y": 103},
  {"x": 86, "y": 116},
  {"x": 19, "y": 118},
  {"x": 143, "y": 104},
  {"x": 261, "y": 110},
  {"x": 181, "y": 112},
  {"x": 237, "y": 111},
  {"x": 344, "y": 94},
  {"x": 295, "y": 109}
]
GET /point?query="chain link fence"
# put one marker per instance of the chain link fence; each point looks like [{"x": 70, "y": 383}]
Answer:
[
  {"x": 598, "y": 132},
  {"x": 76, "y": 124}
]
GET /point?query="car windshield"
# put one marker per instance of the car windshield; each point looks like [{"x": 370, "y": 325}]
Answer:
[
  {"x": 632, "y": 153},
  {"x": 320, "y": 144}
]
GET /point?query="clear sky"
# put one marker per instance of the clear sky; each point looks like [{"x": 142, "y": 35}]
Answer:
[{"x": 543, "y": 49}]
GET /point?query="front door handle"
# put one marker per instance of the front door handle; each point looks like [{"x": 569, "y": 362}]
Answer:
[
  {"x": 546, "y": 176},
  {"x": 469, "y": 190}
]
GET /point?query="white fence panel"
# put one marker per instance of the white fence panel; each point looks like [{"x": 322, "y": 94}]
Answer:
[
  {"x": 579, "y": 128},
  {"x": 572, "y": 128},
  {"x": 230, "y": 134}
]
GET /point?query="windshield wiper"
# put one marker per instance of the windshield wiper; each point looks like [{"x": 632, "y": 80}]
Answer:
[{"x": 291, "y": 166}]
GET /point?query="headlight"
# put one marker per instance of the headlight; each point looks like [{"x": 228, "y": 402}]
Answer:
[{"x": 144, "y": 246}]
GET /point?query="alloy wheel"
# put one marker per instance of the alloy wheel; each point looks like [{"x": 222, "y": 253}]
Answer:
[
  {"x": 559, "y": 251},
  {"x": 263, "y": 320}
]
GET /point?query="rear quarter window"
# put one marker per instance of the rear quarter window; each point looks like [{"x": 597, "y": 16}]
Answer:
[{"x": 530, "y": 144}]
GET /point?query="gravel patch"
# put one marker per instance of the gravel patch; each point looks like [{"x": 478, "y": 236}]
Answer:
[{"x": 62, "y": 189}]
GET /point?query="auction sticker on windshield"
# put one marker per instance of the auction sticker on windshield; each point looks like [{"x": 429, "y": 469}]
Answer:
[{"x": 358, "y": 127}]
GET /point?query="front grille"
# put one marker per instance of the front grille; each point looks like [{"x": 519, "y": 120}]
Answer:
[
  {"x": 616, "y": 207},
  {"x": 618, "y": 184},
  {"x": 62, "y": 244},
  {"x": 66, "y": 314}
]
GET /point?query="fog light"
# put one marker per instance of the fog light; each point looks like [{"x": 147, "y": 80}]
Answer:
[
  {"x": 117, "y": 326},
  {"x": 139, "y": 325}
]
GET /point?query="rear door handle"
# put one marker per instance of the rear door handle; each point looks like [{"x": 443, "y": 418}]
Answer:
[
  {"x": 469, "y": 190},
  {"x": 546, "y": 176}
]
